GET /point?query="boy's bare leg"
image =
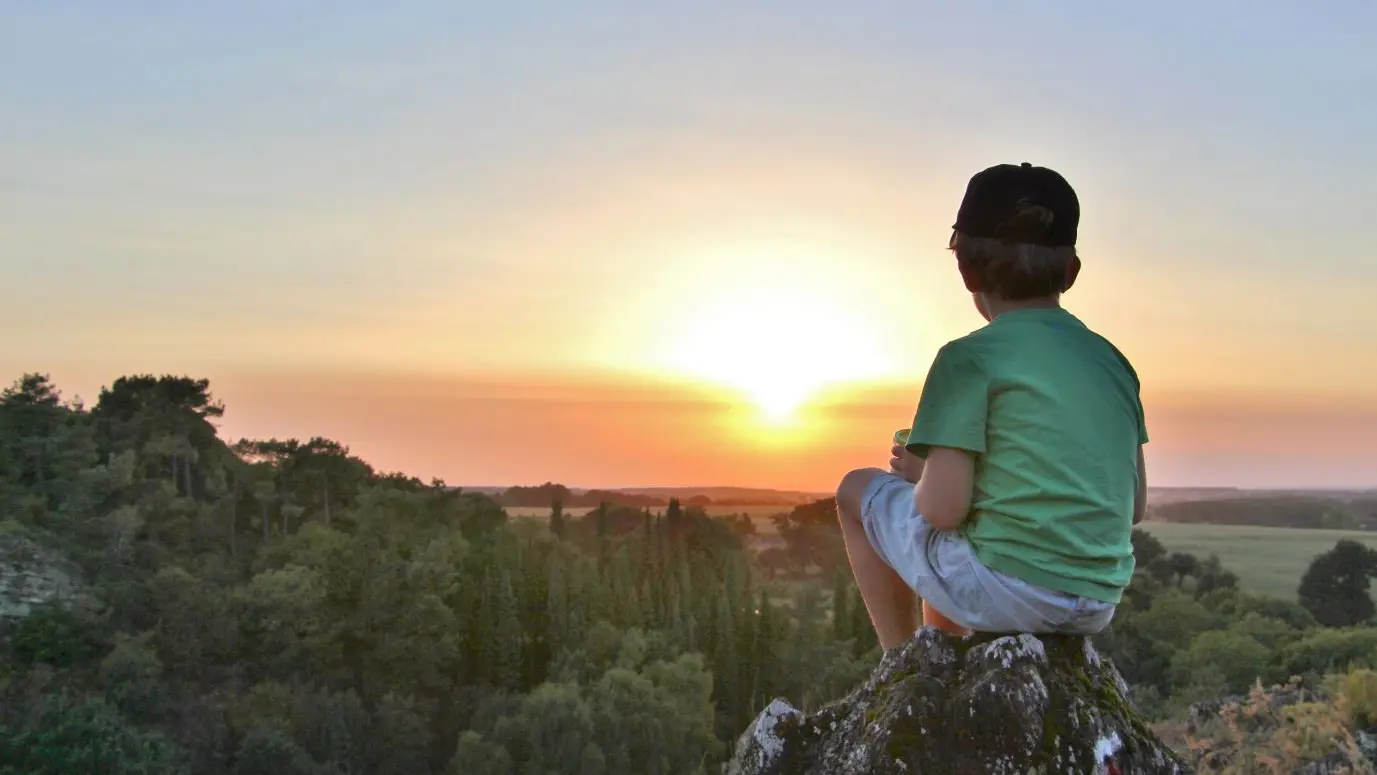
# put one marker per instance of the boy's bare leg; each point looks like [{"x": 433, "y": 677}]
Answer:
[
  {"x": 892, "y": 606},
  {"x": 934, "y": 618}
]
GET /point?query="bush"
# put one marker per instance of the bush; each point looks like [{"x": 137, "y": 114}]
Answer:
[
  {"x": 65, "y": 735},
  {"x": 1359, "y": 689},
  {"x": 1330, "y": 650},
  {"x": 53, "y": 635}
]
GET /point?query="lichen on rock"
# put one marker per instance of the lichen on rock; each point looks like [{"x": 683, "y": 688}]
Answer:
[{"x": 987, "y": 704}]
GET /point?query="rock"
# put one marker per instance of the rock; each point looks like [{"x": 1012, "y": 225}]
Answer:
[
  {"x": 31, "y": 575},
  {"x": 985, "y": 705}
]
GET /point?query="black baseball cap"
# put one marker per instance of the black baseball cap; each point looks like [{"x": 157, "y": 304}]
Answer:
[{"x": 994, "y": 194}]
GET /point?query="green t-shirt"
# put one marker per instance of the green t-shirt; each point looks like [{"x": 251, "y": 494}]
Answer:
[{"x": 1052, "y": 412}]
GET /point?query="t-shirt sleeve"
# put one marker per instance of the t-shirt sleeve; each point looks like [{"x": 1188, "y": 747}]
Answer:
[
  {"x": 954, "y": 405},
  {"x": 1137, "y": 395}
]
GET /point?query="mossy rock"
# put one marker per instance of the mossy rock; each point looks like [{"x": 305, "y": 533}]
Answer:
[{"x": 984, "y": 705}]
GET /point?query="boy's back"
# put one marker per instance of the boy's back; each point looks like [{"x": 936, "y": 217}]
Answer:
[
  {"x": 1052, "y": 412},
  {"x": 1011, "y": 506}
]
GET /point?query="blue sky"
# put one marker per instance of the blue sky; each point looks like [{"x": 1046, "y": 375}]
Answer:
[{"x": 458, "y": 188}]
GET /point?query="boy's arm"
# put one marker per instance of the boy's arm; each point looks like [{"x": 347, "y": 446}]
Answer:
[
  {"x": 948, "y": 431},
  {"x": 943, "y": 494},
  {"x": 1140, "y": 497}
]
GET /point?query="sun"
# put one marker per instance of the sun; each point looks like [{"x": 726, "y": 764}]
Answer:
[{"x": 778, "y": 345}]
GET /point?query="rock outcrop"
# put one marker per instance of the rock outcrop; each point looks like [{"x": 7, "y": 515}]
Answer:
[
  {"x": 983, "y": 705},
  {"x": 1290, "y": 728},
  {"x": 31, "y": 575}
]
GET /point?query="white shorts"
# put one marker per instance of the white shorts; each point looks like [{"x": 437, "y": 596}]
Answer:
[{"x": 942, "y": 569}]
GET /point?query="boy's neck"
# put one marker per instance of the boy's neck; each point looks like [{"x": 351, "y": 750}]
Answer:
[{"x": 997, "y": 306}]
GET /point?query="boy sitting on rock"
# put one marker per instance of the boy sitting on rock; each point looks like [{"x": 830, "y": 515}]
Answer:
[{"x": 1011, "y": 506}]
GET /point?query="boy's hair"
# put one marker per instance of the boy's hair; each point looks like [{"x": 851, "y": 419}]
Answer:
[
  {"x": 1015, "y": 234},
  {"x": 1015, "y": 270}
]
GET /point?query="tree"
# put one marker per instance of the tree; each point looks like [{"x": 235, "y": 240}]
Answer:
[
  {"x": 1146, "y": 548},
  {"x": 1233, "y": 656},
  {"x": 557, "y": 519},
  {"x": 45, "y": 445},
  {"x": 168, "y": 417},
  {"x": 66, "y": 734},
  {"x": 1212, "y": 576},
  {"x": 1335, "y": 586},
  {"x": 321, "y": 475},
  {"x": 1183, "y": 565},
  {"x": 812, "y": 534},
  {"x": 383, "y": 625}
]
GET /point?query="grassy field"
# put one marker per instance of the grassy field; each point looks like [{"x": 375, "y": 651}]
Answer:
[
  {"x": 1268, "y": 560},
  {"x": 759, "y": 513}
]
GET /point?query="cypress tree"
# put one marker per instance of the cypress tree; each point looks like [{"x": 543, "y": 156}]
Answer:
[
  {"x": 505, "y": 655},
  {"x": 557, "y": 519},
  {"x": 600, "y": 517},
  {"x": 841, "y": 610},
  {"x": 557, "y": 607}
]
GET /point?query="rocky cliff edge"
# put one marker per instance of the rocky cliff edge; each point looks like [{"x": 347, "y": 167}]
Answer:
[{"x": 983, "y": 705}]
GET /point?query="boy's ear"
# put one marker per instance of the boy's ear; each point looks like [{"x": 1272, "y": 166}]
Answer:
[
  {"x": 970, "y": 277},
  {"x": 1073, "y": 270}
]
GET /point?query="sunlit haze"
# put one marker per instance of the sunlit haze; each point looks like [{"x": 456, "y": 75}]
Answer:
[{"x": 617, "y": 244}]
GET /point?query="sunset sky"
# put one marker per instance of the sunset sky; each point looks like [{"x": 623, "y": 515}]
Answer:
[{"x": 681, "y": 243}]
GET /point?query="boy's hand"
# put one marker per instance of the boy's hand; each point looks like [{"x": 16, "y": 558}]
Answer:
[{"x": 905, "y": 464}]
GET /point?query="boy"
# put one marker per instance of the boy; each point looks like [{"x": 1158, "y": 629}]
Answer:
[{"x": 1010, "y": 508}]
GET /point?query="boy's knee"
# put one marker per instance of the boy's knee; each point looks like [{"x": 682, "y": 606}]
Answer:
[{"x": 852, "y": 490}]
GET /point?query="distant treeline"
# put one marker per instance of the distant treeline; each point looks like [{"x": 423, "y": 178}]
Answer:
[
  {"x": 548, "y": 494},
  {"x": 1274, "y": 511}
]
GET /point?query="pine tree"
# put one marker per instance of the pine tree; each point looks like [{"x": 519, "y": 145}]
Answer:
[
  {"x": 557, "y": 519},
  {"x": 674, "y": 522},
  {"x": 557, "y": 606},
  {"x": 808, "y": 615},
  {"x": 603, "y": 528},
  {"x": 620, "y": 586},
  {"x": 861, "y": 628},
  {"x": 841, "y": 611},
  {"x": 685, "y": 625},
  {"x": 761, "y": 656},
  {"x": 503, "y": 652}
]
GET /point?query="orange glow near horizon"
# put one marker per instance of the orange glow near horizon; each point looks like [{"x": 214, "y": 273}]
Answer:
[
  {"x": 624, "y": 431},
  {"x": 627, "y": 430}
]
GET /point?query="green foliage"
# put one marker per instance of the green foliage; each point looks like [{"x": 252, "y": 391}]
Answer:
[
  {"x": 279, "y": 606},
  {"x": 269, "y": 752},
  {"x": 476, "y": 756},
  {"x": 1329, "y": 650},
  {"x": 1336, "y": 586},
  {"x": 64, "y": 735},
  {"x": 812, "y": 535},
  {"x": 1230, "y": 660},
  {"x": 1359, "y": 688},
  {"x": 626, "y": 701},
  {"x": 53, "y": 635},
  {"x": 131, "y": 675}
]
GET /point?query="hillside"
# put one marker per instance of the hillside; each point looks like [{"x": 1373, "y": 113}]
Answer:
[
  {"x": 541, "y": 495},
  {"x": 741, "y": 496},
  {"x": 1279, "y": 510},
  {"x": 1330, "y": 509}
]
